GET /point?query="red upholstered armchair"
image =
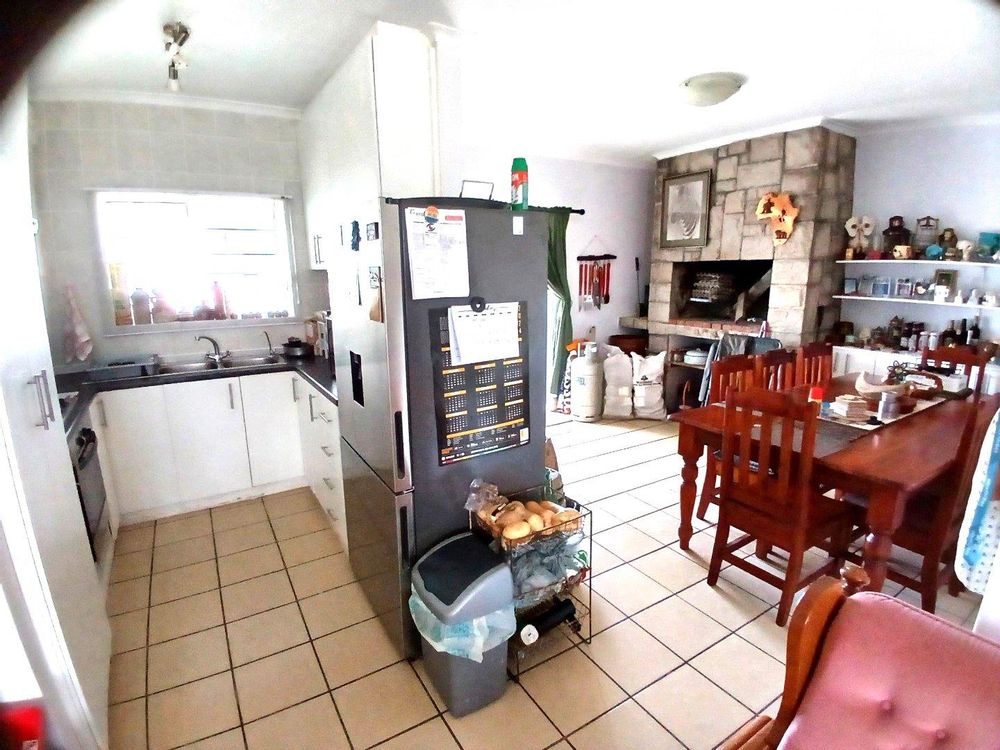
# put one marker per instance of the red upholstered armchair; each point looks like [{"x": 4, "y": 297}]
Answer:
[{"x": 872, "y": 672}]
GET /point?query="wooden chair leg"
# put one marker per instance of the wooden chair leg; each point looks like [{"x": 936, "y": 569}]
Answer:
[
  {"x": 721, "y": 539},
  {"x": 708, "y": 488},
  {"x": 792, "y": 574},
  {"x": 929, "y": 573},
  {"x": 762, "y": 549},
  {"x": 955, "y": 586}
]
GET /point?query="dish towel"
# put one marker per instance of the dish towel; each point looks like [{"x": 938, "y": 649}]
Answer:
[
  {"x": 979, "y": 538},
  {"x": 77, "y": 343}
]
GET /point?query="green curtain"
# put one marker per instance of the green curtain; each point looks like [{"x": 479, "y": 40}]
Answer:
[{"x": 559, "y": 283}]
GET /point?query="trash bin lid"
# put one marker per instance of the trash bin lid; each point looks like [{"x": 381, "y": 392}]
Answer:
[{"x": 462, "y": 578}]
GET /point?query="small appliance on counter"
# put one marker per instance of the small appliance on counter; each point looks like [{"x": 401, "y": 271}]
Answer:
[{"x": 296, "y": 348}]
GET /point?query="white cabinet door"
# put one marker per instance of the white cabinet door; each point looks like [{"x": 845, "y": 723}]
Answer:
[
  {"x": 139, "y": 447},
  {"x": 272, "y": 427},
  {"x": 208, "y": 437},
  {"x": 839, "y": 361},
  {"x": 320, "y": 431}
]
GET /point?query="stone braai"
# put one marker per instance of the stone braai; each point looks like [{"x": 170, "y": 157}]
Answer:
[{"x": 816, "y": 166}]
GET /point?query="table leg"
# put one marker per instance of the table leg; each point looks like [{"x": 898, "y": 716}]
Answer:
[
  {"x": 885, "y": 513},
  {"x": 690, "y": 450}
]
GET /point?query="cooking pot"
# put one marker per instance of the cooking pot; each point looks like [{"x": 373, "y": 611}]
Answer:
[{"x": 296, "y": 348}]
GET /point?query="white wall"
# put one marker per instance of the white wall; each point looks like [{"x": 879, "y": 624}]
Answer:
[
  {"x": 948, "y": 171},
  {"x": 79, "y": 146}
]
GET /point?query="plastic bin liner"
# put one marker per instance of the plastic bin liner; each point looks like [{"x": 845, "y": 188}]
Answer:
[{"x": 469, "y": 639}]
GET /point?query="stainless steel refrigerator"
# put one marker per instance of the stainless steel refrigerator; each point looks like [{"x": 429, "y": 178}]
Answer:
[{"x": 407, "y": 459}]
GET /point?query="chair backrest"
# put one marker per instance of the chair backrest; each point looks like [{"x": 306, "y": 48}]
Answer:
[
  {"x": 761, "y": 467},
  {"x": 776, "y": 370},
  {"x": 814, "y": 364},
  {"x": 973, "y": 363},
  {"x": 733, "y": 372}
]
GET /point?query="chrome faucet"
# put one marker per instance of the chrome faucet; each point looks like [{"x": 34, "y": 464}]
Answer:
[
  {"x": 217, "y": 354},
  {"x": 270, "y": 348}
]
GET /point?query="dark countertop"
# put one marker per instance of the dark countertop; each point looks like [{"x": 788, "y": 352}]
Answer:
[{"x": 316, "y": 371}]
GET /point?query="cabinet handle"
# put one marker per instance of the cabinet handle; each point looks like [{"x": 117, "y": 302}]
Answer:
[
  {"x": 36, "y": 380},
  {"x": 328, "y": 483},
  {"x": 232, "y": 399},
  {"x": 319, "y": 248},
  {"x": 327, "y": 451},
  {"x": 103, "y": 412},
  {"x": 312, "y": 416},
  {"x": 322, "y": 415},
  {"x": 295, "y": 393},
  {"x": 49, "y": 412}
]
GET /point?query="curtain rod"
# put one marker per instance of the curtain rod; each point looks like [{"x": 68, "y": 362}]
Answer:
[{"x": 482, "y": 203}]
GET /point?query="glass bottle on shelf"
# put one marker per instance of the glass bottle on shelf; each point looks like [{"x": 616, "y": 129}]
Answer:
[
  {"x": 963, "y": 333},
  {"x": 974, "y": 333},
  {"x": 949, "y": 336}
]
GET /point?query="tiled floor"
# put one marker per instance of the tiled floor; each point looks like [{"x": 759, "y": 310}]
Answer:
[{"x": 243, "y": 627}]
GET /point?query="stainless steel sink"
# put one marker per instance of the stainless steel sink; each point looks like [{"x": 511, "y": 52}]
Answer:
[
  {"x": 180, "y": 367},
  {"x": 269, "y": 359}
]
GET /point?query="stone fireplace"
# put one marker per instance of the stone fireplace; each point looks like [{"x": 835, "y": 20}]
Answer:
[{"x": 816, "y": 167}]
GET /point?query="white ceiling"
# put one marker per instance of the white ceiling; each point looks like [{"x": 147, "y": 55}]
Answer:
[{"x": 586, "y": 78}]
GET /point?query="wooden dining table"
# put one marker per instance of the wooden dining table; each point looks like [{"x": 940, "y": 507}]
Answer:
[{"x": 888, "y": 465}]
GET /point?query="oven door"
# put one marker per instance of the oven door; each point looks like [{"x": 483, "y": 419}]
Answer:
[{"x": 89, "y": 481}]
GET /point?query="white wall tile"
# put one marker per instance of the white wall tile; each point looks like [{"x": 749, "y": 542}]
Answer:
[
  {"x": 62, "y": 150},
  {"x": 95, "y": 116},
  {"x": 134, "y": 150},
  {"x": 130, "y": 116},
  {"x": 201, "y": 121},
  {"x": 62, "y": 116}
]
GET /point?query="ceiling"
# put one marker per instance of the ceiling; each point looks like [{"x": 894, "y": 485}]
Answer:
[{"x": 583, "y": 79}]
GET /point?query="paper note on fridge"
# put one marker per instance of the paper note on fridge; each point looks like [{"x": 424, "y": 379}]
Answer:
[
  {"x": 483, "y": 336},
  {"x": 439, "y": 252}
]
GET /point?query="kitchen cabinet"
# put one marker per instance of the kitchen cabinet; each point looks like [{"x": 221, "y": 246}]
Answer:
[
  {"x": 848, "y": 359},
  {"x": 270, "y": 415},
  {"x": 135, "y": 431},
  {"x": 208, "y": 436},
  {"x": 320, "y": 434}
]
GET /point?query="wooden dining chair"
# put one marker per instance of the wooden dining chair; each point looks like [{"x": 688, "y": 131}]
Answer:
[
  {"x": 814, "y": 364},
  {"x": 971, "y": 361},
  {"x": 775, "y": 370},
  {"x": 730, "y": 374},
  {"x": 933, "y": 518},
  {"x": 767, "y": 491}
]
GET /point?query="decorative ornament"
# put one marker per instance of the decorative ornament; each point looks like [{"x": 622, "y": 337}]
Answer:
[
  {"x": 894, "y": 234},
  {"x": 859, "y": 229},
  {"x": 966, "y": 248},
  {"x": 778, "y": 209},
  {"x": 925, "y": 234}
]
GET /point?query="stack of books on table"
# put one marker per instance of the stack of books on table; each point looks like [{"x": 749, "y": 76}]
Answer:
[{"x": 850, "y": 407}]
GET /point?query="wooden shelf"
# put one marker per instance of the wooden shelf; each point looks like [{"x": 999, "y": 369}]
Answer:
[
  {"x": 935, "y": 263},
  {"x": 686, "y": 364},
  {"x": 909, "y": 301}
]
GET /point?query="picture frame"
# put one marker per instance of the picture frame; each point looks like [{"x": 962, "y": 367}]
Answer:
[
  {"x": 904, "y": 288},
  {"x": 685, "y": 202},
  {"x": 946, "y": 277},
  {"x": 865, "y": 286},
  {"x": 850, "y": 285},
  {"x": 881, "y": 287}
]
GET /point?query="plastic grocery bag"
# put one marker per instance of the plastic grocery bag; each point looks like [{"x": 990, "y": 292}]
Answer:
[
  {"x": 647, "y": 383},
  {"x": 469, "y": 639},
  {"x": 618, "y": 385}
]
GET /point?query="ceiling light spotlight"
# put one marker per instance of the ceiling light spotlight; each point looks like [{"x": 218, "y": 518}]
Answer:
[
  {"x": 175, "y": 35},
  {"x": 708, "y": 89},
  {"x": 173, "y": 79}
]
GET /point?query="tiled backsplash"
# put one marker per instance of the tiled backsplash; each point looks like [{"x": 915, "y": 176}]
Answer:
[{"x": 77, "y": 147}]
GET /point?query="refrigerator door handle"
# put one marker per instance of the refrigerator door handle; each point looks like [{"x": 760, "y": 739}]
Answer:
[{"x": 400, "y": 451}]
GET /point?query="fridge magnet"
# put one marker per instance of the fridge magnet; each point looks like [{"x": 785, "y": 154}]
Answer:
[
  {"x": 371, "y": 231},
  {"x": 685, "y": 201},
  {"x": 778, "y": 209}
]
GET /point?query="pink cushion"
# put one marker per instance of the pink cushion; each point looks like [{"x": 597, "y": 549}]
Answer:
[{"x": 892, "y": 677}]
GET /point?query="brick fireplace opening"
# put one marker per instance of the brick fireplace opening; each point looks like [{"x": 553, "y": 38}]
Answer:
[{"x": 735, "y": 291}]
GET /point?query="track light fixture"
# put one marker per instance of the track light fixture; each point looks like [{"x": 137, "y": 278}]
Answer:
[{"x": 175, "y": 35}]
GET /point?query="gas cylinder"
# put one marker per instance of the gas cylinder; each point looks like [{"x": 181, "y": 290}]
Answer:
[{"x": 588, "y": 385}]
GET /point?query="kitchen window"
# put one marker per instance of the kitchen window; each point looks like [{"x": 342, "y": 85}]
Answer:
[{"x": 179, "y": 257}]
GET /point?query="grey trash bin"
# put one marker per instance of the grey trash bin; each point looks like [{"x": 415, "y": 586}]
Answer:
[{"x": 458, "y": 580}]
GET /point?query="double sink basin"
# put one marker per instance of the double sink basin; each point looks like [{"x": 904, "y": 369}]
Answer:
[{"x": 206, "y": 365}]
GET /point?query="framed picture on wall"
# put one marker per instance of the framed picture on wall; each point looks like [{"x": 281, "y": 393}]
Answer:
[{"x": 685, "y": 201}]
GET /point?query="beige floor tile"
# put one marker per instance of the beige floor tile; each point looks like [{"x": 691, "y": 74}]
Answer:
[
  {"x": 131, "y": 565},
  {"x": 548, "y": 683},
  {"x": 233, "y": 515},
  {"x": 128, "y": 676},
  {"x": 726, "y": 603},
  {"x": 321, "y": 575},
  {"x": 256, "y": 595},
  {"x": 604, "y": 614},
  {"x": 659, "y": 525},
  {"x": 764, "y": 633},
  {"x": 420, "y": 668},
  {"x": 697, "y": 712},
  {"x": 772, "y": 709},
  {"x": 128, "y": 595},
  {"x": 299, "y": 524},
  {"x": 355, "y": 651},
  {"x": 670, "y": 569},
  {"x": 231, "y": 740},
  {"x": 243, "y": 538},
  {"x": 494, "y": 727},
  {"x": 662, "y": 494},
  {"x": 312, "y": 546},
  {"x": 313, "y": 724},
  {"x": 249, "y": 564},
  {"x": 431, "y": 735},
  {"x": 266, "y": 633},
  {"x": 184, "y": 616},
  {"x": 686, "y": 630},
  {"x": 399, "y": 696},
  {"x": 186, "y": 581},
  {"x": 601, "y": 520},
  {"x": 179, "y": 554},
  {"x": 752, "y": 584},
  {"x": 604, "y": 560},
  {"x": 133, "y": 539},
  {"x": 188, "y": 527},
  {"x": 629, "y": 590},
  {"x": 127, "y": 725},
  {"x": 293, "y": 501},
  {"x": 746, "y": 672},
  {"x": 187, "y": 659},
  {"x": 551, "y": 644},
  {"x": 279, "y": 681},
  {"x": 700, "y": 547},
  {"x": 616, "y": 651},
  {"x": 128, "y": 631},
  {"x": 625, "y": 727},
  {"x": 623, "y": 506},
  {"x": 192, "y": 712},
  {"x": 336, "y": 609},
  {"x": 627, "y": 542}
]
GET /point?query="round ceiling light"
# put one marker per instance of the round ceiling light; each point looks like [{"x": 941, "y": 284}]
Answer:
[{"x": 708, "y": 89}]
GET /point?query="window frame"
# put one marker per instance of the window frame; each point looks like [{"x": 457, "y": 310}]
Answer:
[{"x": 107, "y": 323}]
